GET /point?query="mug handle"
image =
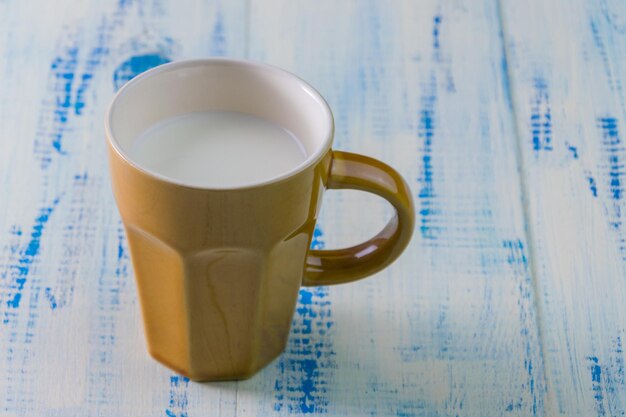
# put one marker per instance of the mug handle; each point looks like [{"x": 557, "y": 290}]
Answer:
[{"x": 358, "y": 172}]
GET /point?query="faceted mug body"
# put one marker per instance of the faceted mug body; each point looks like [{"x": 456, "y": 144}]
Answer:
[{"x": 218, "y": 271}]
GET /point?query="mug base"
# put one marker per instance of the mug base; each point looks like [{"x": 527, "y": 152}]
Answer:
[{"x": 213, "y": 378}]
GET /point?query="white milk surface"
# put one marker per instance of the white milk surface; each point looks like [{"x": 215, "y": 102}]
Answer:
[{"x": 217, "y": 149}]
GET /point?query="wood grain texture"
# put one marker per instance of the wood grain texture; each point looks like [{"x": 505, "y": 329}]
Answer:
[
  {"x": 451, "y": 328},
  {"x": 567, "y": 67},
  {"x": 71, "y": 337}
]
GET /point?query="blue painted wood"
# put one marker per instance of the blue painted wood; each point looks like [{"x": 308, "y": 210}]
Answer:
[
  {"x": 71, "y": 337},
  {"x": 451, "y": 328},
  {"x": 440, "y": 90},
  {"x": 566, "y": 60}
]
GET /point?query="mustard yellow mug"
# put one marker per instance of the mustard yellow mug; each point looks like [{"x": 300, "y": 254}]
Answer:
[{"x": 218, "y": 269}]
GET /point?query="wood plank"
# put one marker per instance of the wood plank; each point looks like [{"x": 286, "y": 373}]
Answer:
[
  {"x": 71, "y": 340},
  {"x": 451, "y": 328},
  {"x": 567, "y": 63}
]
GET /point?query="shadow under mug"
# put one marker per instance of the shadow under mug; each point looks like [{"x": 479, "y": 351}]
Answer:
[{"x": 218, "y": 269}]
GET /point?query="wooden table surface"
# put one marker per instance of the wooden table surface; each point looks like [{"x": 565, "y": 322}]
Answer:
[{"x": 507, "y": 117}]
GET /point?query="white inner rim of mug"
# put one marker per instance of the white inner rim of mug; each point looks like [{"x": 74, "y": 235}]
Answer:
[{"x": 212, "y": 84}]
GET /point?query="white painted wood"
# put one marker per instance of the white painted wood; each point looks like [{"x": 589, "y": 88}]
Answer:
[
  {"x": 71, "y": 343},
  {"x": 567, "y": 65},
  {"x": 450, "y": 329}
]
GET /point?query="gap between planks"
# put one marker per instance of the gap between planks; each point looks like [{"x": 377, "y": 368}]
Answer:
[{"x": 529, "y": 232}]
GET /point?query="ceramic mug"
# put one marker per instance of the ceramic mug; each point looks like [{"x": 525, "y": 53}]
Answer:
[{"x": 218, "y": 269}]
